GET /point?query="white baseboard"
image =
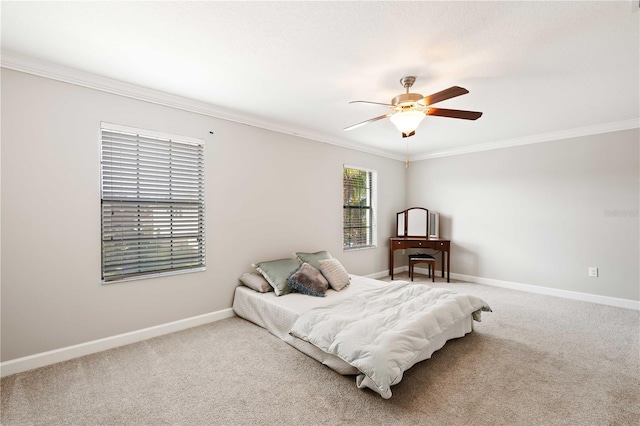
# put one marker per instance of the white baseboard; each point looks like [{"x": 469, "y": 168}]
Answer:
[
  {"x": 383, "y": 274},
  {"x": 567, "y": 294},
  {"x": 30, "y": 362}
]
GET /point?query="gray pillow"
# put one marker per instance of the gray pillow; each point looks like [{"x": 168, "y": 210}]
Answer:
[
  {"x": 276, "y": 273},
  {"x": 255, "y": 282},
  {"x": 312, "y": 258},
  {"x": 308, "y": 280},
  {"x": 335, "y": 273}
]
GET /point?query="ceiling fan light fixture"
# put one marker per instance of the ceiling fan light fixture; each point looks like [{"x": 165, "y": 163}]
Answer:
[
  {"x": 407, "y": 121},
  {"x": 409, "y": 109}
]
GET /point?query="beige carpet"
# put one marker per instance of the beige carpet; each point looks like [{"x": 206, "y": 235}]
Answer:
[{"x": 536, "y": 360}]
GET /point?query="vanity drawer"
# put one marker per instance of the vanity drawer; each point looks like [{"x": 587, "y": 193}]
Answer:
[
  {"x": 399, "y": 244},
  {"x": 420, "y": 244},
  {"x": 442, "y": 245}
]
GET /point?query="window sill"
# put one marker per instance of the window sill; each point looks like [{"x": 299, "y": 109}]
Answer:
[
  {"x": 154, "y": 275},
  {"x": 359, "y": 248}
]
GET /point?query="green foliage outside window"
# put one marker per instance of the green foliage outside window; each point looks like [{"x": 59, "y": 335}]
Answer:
[{"x": 358, "y": 211}]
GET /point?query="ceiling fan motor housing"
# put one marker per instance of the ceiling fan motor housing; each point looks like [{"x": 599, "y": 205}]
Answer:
[{"x": 406, "y": 99}]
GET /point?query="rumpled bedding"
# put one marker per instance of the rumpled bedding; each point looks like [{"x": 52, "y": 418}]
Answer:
[{"x": 381, "y": 331}]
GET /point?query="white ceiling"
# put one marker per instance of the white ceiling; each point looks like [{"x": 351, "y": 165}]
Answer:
[{"x": 533, "y": 68}]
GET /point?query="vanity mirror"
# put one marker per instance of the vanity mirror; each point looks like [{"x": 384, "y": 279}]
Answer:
[{"x": 413, "y": 222}]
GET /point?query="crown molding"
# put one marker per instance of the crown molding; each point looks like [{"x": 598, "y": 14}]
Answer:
[
  {"x": 29, "y": 65},
  {"x": 543, "y": 137}
]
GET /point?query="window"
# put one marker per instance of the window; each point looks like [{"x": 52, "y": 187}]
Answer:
[
  {"x": 152, "y": 191},
  {"x": 359, "y": 208}
]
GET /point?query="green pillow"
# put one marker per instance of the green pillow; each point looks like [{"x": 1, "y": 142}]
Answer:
[
  {"x": 312, "y": 259},
  {"x": 276, "y": 273}
]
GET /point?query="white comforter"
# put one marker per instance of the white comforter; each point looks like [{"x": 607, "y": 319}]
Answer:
[{"x": 381, "y": 331}]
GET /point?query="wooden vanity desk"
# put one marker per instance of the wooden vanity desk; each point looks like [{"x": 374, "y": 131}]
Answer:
[
  {"x": 401, "y": 243},
  {"x": 417, "y": 228}
]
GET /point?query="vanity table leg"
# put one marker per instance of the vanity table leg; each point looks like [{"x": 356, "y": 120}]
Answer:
[
  {"x": 391, "y": 262},
  {"x": 448, "y": 263}
]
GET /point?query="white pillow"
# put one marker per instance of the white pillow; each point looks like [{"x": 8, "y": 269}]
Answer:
[
  {"x": 255, "y": 282},
  {"x": 335, "y": 273}
]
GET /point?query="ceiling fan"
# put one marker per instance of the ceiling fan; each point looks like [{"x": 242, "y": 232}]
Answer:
[{"x": 409, "y": 109}]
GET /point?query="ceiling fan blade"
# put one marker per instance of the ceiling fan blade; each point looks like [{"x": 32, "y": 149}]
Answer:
[
  {"x": 454, "y": 113},
  {"x": 369, "y": 102},
  {"x": 449, "y": 93},
  {"x": 368, "y": 121}
]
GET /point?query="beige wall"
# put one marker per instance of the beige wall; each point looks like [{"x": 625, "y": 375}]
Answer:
[
  {"x": 268, "y": 195},
  {"x": 541, "y": 214},
  {"x": 535, "y": 214}
]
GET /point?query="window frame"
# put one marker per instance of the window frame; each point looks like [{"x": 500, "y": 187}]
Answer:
[
  {"x": 161, "y": 209},
  {"x": 370, "y": 207}
]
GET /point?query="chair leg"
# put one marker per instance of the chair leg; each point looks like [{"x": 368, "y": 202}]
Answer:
[
  {"x": 411, "y": 270},
  {"x": 433, "y": 272}
]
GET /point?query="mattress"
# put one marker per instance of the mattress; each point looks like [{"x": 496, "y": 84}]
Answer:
[{"x": 278, "y": 314}]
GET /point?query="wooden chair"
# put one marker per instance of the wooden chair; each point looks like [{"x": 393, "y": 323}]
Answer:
[{"x": 423, "y": 258}]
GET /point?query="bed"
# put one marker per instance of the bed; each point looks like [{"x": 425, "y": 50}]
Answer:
[{"x": 353, "y": 332}]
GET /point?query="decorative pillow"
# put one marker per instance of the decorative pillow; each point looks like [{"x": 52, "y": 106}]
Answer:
[
  {"x": 312, "y": 258},
  {"x": 335, "y": 273},
  {"x": 255, "y": 282},
  {"x": 276, "y": 273},
  {"x": 308, "y": 280}
]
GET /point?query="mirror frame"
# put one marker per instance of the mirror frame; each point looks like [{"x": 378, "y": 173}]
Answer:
[{"x": 405, "y": 221}]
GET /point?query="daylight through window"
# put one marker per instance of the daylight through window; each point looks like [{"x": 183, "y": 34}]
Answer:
[
  {"x": 359, "y": 208},
  {"x": 152, "y": 194}
]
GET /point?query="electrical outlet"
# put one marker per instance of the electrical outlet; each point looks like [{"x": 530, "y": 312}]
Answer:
[{"x": 593, "y": 271}]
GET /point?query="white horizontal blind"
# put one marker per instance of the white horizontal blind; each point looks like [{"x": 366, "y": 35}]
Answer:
[
  {"x": 359, "y": 188},
  {"x": 152, "y": 191}
]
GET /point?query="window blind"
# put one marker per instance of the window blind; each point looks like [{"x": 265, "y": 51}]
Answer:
[
  {"x": 359, "y": 208},
  {"x": 152, "y": 194}
]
